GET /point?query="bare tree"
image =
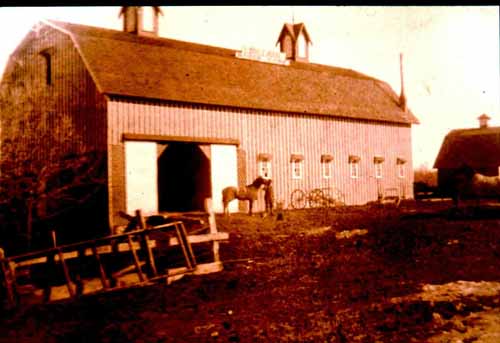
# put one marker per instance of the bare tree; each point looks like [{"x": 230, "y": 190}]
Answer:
[{"x": 45, "y": 168}]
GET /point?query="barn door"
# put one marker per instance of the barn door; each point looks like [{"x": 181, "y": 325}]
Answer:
[
  {"x": 141, "y": 177},
  {"x": 224, "y": 173}
]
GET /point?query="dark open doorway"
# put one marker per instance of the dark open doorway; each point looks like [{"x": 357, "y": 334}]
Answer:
[{"x": 183, "y": 178}]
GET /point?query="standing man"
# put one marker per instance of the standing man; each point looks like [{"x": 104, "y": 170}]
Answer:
[{"x": 269, "y": 197}]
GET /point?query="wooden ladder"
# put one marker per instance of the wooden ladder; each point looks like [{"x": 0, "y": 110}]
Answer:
[{"x": 182, "y": 237}]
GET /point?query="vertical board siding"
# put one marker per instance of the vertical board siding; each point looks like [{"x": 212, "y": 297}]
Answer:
[
  {"x": 281, "y": 135},
  {"x": 71, "y": 96},
  {"x": 70, "y": 106}
]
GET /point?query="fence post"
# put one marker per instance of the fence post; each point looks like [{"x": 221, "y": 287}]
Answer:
[
  {"x": 9, "y": 279},
  {"x": 213, "y": 227}
]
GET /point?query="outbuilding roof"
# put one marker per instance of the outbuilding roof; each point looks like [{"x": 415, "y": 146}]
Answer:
[
  {"x": 477, "y": 148},
  {"x": 124, "y": 64},
  {"x": 294, "y": 30}
]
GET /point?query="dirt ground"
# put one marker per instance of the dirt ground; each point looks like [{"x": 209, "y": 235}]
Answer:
[{"x": 357, "y": 274}]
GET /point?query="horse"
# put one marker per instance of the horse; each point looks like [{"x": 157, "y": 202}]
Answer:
[
  {"x": 249, "y": 192},
  {"x": 470, "y": 184}
]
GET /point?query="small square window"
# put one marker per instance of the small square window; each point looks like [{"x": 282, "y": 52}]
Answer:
[
  {"x": 354, "y": 169},
  {"x": 297, "y": 162},
  {"x": 401, "y": 170},
  {"x": 48, "y": 66},
  {"x": 378, "y": 162},
  {"x": 326, "y": 167},
  {"x": 264, "y": 165},
  {"x": 400, "y": 163},
  {"x": 354, "y": 166},
  {"x": 378, "y": 170},
  {"x": 297, "y": 169},
  {"x": 265, "y": 169}
]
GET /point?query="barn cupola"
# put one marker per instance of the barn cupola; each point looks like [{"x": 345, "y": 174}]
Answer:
[
  {"x": 141, "y": 20},
  {"x": 483, "y": 121},
  {"x": 294, "y": 41}
]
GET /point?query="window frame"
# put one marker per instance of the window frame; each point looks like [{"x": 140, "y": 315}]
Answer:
[
  {"x": 378, "y": 161},
  {"x": 263, "y": 167},
  {"x": 379, "y": 170},
  {"x": 354, "y": 169},
  {"x": 401, "y": 170},
  {"x": 48, "y": 61},
  {"x": 326, "y": 166},
  {"x": 297, "y": 165},
  {"x": 326, "y": 169}
]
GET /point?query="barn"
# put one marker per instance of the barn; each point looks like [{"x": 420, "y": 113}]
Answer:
[
  {"x": 177, "y": 121},
  {"x": 477, "y": 148}
]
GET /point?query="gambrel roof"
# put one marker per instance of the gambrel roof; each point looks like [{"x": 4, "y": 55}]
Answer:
[
  {"x": 477, "y": 148},
  {"x": 124, "y": 64}
]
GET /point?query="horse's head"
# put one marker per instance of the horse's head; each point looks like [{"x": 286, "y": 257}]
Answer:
[{"x": 259, "y": 182}]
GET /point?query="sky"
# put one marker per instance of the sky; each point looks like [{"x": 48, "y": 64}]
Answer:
[{"x": 451, "y": 56}]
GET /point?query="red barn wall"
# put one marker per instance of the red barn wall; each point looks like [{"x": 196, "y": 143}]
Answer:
[{"x": 278, "y": 134}]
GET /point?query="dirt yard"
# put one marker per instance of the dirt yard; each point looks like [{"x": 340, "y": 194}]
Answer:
[{"x": 360, "y": 274}]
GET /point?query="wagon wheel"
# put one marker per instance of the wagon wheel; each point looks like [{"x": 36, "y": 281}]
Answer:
[
  {"x": 329, "y": 199},
  {"x": 298, "y": 199},
  {"x": 316, "y": 198}
]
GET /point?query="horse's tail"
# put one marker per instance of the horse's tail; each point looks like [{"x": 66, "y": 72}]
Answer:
[
  {"x": 225, "y": 194},
  {"x": 228, "y": 194}
]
